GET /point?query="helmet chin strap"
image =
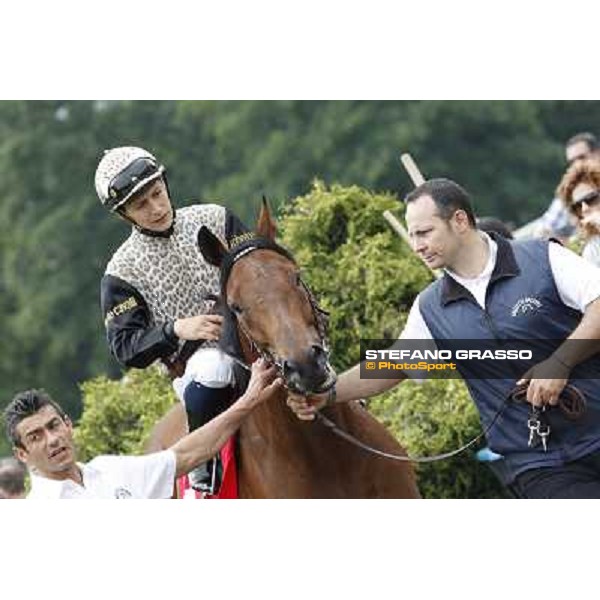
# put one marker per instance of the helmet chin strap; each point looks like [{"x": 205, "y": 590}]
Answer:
[{"x": 150, "y": 232}]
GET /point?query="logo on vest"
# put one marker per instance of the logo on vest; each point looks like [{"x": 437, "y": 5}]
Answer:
[
  {"x": 529, "y": 304},
  {"x": 122, "y": 493}
]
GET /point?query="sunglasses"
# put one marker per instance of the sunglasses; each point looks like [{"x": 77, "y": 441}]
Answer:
[
  {"x": 123, "y": 183},
  {"x": 590, "y": 200}
]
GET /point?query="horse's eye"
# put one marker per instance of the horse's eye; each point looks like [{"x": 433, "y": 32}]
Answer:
[{"x": 298, "y": 279}]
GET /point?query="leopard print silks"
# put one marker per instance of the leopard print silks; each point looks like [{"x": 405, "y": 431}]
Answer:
[{"x": 170, "y": 273}]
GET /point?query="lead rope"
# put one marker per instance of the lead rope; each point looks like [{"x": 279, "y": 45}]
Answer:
[
  {"x": 416, "y": 459},
  {"x": 572, "y": 403}
]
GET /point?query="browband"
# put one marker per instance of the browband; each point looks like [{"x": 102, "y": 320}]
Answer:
[{"x": 244, "y": 249}]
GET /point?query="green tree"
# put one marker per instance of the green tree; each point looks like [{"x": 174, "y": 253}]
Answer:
[
  {"x": 433, "y": 418},
  {"x": 367, "y": 277},
  {"x": 118, "y": 415}
]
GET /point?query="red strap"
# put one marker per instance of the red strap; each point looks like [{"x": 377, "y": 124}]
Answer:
[{"x": 229, "y": 485}]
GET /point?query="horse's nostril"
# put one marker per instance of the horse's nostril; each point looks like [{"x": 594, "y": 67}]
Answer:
[
  {"x": 317, "y": 351},
  {"x": 288, "y": 367},
  {"x": 311, "y": 366},
  {"x": 295, "y": 368},
  {"x": 319, "y": 355},
  {"x": 309, "y": 373}
]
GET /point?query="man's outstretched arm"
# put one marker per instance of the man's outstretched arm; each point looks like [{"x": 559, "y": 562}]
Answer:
[{"x": 203, "y": 443}]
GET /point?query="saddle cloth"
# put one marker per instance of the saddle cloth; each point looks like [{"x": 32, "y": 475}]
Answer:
[{"x": 229, "y": 485}]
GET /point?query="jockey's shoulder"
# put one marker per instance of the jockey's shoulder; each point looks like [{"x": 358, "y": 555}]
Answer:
[
  {"x": 209, "y": 214},
  {"x": 200, "y": 208},
  {"x": 120, "y": 254}
]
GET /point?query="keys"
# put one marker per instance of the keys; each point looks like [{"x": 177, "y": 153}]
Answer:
[
  {"x": 544, "y": 433},
  {"x": 539, "y": 430},
  {"x": 533, "y": 423}
]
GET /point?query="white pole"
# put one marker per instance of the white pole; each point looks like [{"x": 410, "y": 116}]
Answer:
[
  {"x": 411, "y": 168},
  {"x": 417, "y": 178}
]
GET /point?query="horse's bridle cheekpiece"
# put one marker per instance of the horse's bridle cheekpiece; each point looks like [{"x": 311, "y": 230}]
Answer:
[{"x": 321, "y": 316}]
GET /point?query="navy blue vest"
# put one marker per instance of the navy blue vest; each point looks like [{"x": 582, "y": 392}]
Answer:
[{"x": 522, "y": 303}]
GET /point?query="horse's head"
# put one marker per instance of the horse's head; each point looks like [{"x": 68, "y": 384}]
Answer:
[{"x": 274, "y": 309}]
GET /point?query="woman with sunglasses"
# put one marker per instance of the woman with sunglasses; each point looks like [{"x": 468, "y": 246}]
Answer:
[
  {"x": 155, "y": 293},
  {"x": 580, "y": 191}
]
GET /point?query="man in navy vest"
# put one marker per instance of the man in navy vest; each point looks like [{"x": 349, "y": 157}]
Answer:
[{"x": 496, "y": 289}]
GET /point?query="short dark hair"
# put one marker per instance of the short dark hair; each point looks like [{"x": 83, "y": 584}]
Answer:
[
  {"x": 12, "y": 477},
  {"x": 585, "y": 136},
  {"x": 23, "y": 405},
  {"x": 448, "y": 197},
  {"x": 494, "y": 225}
]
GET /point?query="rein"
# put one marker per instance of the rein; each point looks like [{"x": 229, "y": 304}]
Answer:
[
  {"x": 416, "y": 459},
  {"x": 571, "y": 402}
]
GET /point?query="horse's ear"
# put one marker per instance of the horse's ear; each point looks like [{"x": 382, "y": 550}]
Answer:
[
  {"x": 266, "y": 226},
  {"x": 211, "y": 247}
]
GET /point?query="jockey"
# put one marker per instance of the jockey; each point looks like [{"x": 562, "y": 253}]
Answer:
[{"x": 154, "y": 290}]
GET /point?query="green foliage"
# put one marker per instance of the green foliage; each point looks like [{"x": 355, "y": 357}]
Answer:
[
  {"x": 576, "y": 244},
  {"x": 118, "y": 415},
  {"x": 432, "y": 418},
  {"x": 5, "y": 449},
  {"x": 367, "y": 277}
]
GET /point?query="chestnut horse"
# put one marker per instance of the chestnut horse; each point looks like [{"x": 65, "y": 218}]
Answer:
[{"x": 279, "y": 455}]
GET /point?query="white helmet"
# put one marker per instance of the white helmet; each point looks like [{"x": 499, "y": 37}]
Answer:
[{"x": 124, "y": 171}]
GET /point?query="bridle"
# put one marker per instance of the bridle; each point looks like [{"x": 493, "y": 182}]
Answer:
[{"x": 320, "y": 316}]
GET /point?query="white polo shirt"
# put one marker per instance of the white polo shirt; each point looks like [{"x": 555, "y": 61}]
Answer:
[
  {"x": 110, "y": 477},
  {"x": 577, "y": 282}
]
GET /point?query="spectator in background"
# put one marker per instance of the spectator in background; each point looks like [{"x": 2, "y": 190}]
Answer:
[
  {"x": 581, "y": 146},
  {"x": 557, "y": 220},
  {"x": 493, "y": 225},
  {"x": 12, "y": 479},
  {"x": 580, "y": 191}
]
